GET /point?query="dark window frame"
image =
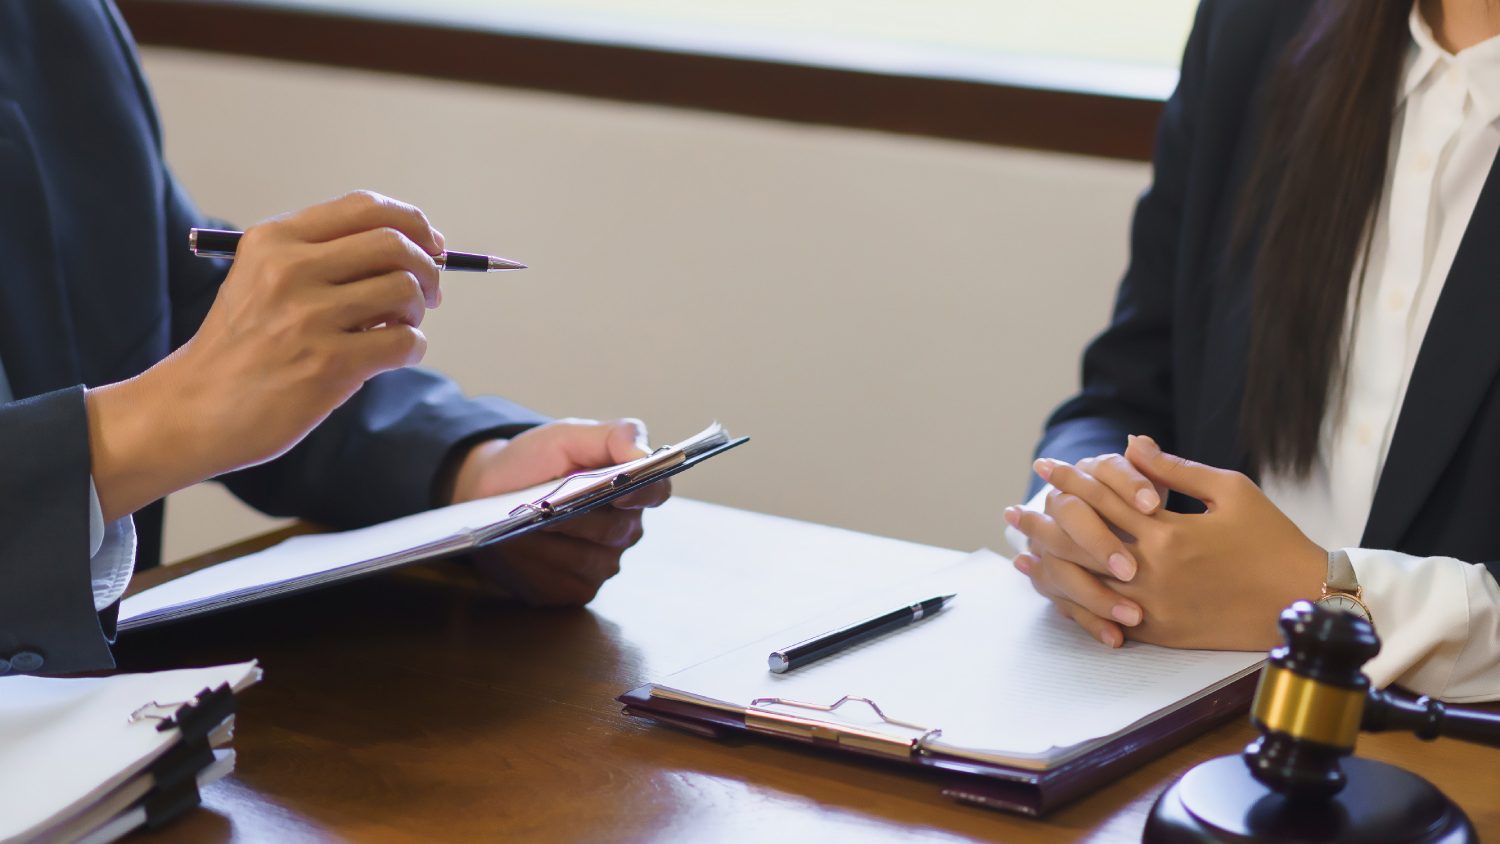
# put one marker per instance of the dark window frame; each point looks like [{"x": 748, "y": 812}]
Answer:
[{"x": 1055, "y": 120}]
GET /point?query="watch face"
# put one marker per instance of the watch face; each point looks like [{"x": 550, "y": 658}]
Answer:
[{"x": 1344, "y": 603}]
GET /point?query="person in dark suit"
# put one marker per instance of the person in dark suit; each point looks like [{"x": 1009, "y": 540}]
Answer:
[
  {"x": 1304, "y": 341},
  {"x": 130, "y": 369}
]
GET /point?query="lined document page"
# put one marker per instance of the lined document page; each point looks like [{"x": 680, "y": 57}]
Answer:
[{"x": 999, "y": 672}]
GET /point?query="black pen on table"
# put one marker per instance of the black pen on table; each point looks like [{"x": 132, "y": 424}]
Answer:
[
  {"x": 800, "y": 654},
  {"x": 221, "y": 243}
]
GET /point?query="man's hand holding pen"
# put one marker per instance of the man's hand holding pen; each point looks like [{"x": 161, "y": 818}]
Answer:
[{"x": 316, "y": 303}]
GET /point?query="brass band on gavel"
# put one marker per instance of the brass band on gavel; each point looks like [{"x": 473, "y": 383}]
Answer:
[{"x": 1307, "y": 709}]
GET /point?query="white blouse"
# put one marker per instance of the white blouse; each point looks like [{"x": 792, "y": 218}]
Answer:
[{"x": 1438, "y": 618}]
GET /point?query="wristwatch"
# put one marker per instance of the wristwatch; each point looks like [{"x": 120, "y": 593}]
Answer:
[{"x": 1341, "y": 589}]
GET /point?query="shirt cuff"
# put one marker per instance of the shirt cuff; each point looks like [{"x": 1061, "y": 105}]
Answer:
[
  {"x": 1038, "y": 503},
  {"x": 1438, "y": 620},
  {"x": 111, "y": 552}
]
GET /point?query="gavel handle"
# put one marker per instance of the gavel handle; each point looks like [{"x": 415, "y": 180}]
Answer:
[{"x": 1429, "y": 718}]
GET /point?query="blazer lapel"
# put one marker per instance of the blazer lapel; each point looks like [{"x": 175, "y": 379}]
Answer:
[
  {"x": 1455, "y": 370},
  {"x": 37, "y": 346}
]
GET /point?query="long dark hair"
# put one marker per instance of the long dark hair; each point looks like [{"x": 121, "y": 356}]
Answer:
[{"x": 1312, "y": 197}]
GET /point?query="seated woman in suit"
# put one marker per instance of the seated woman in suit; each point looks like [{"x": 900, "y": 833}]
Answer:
[
  {"x": 1311, "y": 302},
  {"x": 130, "y": 369}
]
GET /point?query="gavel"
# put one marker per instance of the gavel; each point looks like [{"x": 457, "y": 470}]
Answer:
[
  {"x": 1313, "y": 701},
  {"x": 1298, "y": 779}
]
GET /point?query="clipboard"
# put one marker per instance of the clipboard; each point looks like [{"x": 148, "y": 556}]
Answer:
[
  {"x": 1005, "y": 788},
  {"x": 1039, "y": 715},
  {"x": 315, "y": 561},
  {"x": 582, "y": 492}
]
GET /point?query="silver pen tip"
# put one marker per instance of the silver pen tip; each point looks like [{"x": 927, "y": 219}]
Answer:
[{"x": 505, "y": 264}]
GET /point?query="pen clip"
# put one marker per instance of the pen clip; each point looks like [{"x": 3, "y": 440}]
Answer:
[{"x": 600, "y": 482}]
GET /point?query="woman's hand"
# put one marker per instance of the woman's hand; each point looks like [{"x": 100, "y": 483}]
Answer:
[
  {"x": 316, "y": 303},
  {"x": 564, "y": 565},
  {"x": 1216, "y": 580},
  {"x": 1082, "y": 549}
]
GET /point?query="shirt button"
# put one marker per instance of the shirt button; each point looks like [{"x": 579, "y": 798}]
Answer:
[
  {"x": 1363, "y": 435},
  {"x": 1396, "y": 302},
  {"x": 25, "y": 662},
  {"x": 1424, "y": 162}
]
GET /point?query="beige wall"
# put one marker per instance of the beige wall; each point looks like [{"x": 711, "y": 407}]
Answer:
[{"x": 890, "y": 318}]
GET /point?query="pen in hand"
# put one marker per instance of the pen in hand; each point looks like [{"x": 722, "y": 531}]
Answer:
[
  {"x": 844, "y": 638},
  {"x": 221, "y": 243}
]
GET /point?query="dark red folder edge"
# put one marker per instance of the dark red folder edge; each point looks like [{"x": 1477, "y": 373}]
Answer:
[{"x": 1033, "y": 793}]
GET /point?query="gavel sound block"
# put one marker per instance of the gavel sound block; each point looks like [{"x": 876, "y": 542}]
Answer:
[{"x": 1294, "y": 783}]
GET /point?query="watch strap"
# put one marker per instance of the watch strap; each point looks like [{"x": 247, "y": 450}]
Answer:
[{"x": 1341, "y": 576}]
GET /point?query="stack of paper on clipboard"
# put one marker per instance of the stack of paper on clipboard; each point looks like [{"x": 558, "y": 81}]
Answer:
[
  {"x": 92, "y": 759},
  {"x": 309, "y": 562},
  {"x": 1012, "y": 706}
]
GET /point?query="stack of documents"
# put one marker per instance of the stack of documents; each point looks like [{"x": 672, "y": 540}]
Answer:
[
  {"x": 92, "y": 759},
  {"x": 997, "y": 686},
  {"x": 308, "y": 562}
]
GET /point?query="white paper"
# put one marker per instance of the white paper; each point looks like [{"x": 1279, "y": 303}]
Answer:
[
  {"x": 66, "y": 743},
  {"x": 448, "y": 529},
  {"x": 307, "y": 561},
  {"x": 998, "y": 671}
]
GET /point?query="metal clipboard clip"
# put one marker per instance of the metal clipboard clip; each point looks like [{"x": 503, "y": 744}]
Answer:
[
  {"x": 582, "y": 488},
  {"x": 822, "y": 732}
]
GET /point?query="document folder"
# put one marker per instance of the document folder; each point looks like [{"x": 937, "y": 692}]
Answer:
[
  {"x": 997, "y": 699},
  {"x": 91, "y": 759},
  {"x": 313, "y": 561}
]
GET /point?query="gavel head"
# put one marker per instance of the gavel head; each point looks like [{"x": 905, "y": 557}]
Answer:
[{"x": 1310, "y": 700}]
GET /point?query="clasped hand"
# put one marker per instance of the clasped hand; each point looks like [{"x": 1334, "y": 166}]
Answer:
[{"x": 1110, "y": 557}]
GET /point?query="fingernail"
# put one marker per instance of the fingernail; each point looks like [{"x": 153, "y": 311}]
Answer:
[
  {"x": 1022, "y": 564},
  {"x": 1043, "y": 468},
  {"x": 1013, "y": 516},
  {"x": 437, "y": 238},
  {"x": 1107, "y": 636},
  {"x": 1147, "y": 500},
  {"x": 1126, "y": 615},
  {"x": 1121, "y": 566},
  {"x": 1148, "y": 446}
]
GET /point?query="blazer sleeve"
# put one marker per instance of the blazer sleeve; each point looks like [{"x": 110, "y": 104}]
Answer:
[
  {"x": 1127, "y": 369},
  {"x": 48, "y": 624}
]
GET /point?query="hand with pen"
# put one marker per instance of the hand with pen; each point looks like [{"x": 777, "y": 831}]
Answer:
[
  {"x": 316, "y": 303},
  {"x": 566, "y": 564},
  {"x": 1114, "y": 560}
]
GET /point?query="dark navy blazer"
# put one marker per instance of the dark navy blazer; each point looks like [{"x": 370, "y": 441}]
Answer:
[
  {"x": 1172, "y": 361},
  {"x": 96, "y": 285}
]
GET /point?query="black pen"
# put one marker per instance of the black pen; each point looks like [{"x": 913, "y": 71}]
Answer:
[
  {"x": 818, "y": 647},
  {"x": 219, "y": 243}
]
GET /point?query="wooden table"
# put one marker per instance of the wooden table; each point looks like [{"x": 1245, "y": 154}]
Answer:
[{"x": 415, "y": 707}]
